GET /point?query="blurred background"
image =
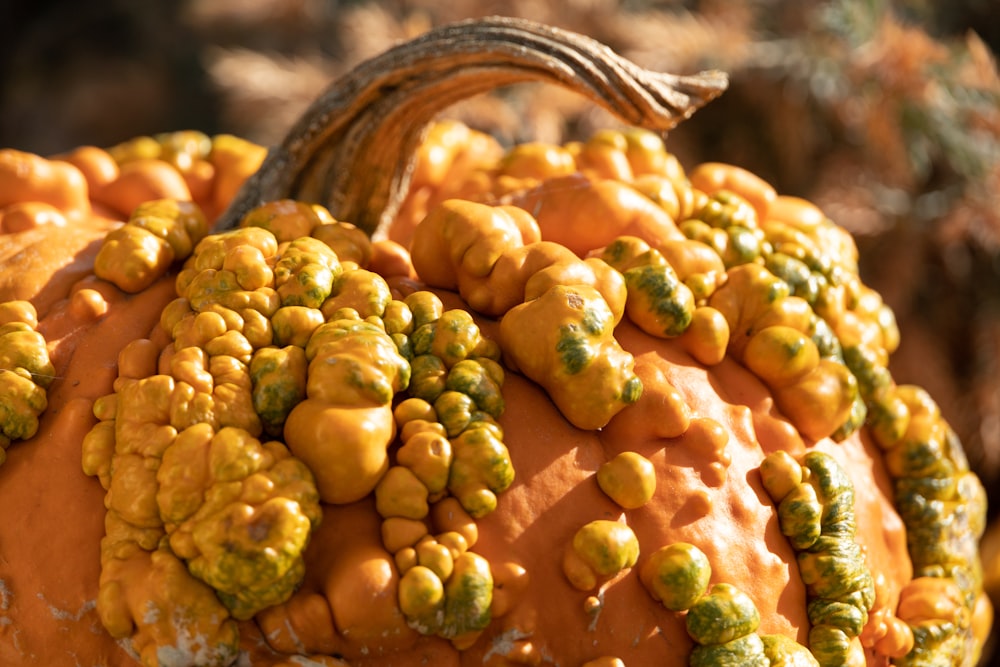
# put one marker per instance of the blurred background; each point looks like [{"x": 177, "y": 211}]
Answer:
[{"x": 885, "y": 113}]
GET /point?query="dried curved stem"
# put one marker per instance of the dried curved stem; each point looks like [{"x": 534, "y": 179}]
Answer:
[{"x": 352, "y": 150}]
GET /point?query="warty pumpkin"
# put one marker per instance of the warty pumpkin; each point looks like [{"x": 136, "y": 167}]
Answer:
[{"x": 568, "y": 405}]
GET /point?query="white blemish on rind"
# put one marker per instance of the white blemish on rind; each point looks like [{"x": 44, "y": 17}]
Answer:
[
  {"x": 504, "y": 643},
  {"x": 6, "y": 595},
  {"x": 191, "y": 650},
  {"x": 304, "y": 661},
  {"x": 64, "y": 615}
]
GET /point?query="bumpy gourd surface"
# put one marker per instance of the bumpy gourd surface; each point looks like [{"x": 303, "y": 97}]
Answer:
[{"x": 628, "y": 414}]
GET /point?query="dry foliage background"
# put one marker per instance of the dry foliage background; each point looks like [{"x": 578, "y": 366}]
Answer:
[{"x": 887, "y": 114}]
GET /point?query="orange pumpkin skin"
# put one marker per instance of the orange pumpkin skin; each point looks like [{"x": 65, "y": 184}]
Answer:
[
  {"x": 51, "y": 549},
  {"x": 50, "y": 575},
  {"x": 526, "y": 524},
  {"x": 705, "y": 428},
  {"x": 723, "y": 509}
]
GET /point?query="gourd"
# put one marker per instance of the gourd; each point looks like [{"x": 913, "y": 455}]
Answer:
[{"x": 668, "y": 437}]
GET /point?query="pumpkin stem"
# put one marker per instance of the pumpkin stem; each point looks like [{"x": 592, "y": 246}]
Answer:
[{"x": 371, "y": 121}]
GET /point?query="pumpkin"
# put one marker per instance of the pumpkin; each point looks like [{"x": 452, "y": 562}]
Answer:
[{"x": 552, "y": 404}]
